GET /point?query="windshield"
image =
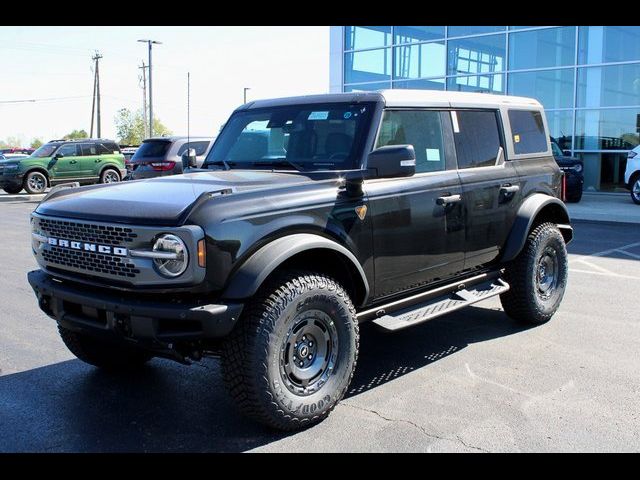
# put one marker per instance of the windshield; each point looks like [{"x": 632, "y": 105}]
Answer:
[
  {"x": 46, "y": 150},
  {"x": 305, "y": 137},
  {"x": 152, "y": 149},
  {"x": 555, "y": 149}
]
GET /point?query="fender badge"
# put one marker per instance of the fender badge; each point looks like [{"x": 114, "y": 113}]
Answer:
[{"x": 361, "y": 211}]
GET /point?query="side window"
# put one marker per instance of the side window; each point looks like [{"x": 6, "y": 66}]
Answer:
[
  {"x": 68, "y": 150},
  {"x": 111, "y": 147},
  {"x": 420, "y": 128},
  {"x": 103, "y": 149},
  {"x": 527, "y": 129},
  {"x": 477, "y": 137},
  {"x": 89, "y": 149},
  {"x": 199, "y": 147}
]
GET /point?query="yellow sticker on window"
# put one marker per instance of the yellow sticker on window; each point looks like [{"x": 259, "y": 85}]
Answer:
[{"x": 516, "y": 138}]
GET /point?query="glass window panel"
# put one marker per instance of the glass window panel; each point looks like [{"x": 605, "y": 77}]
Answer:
[
  {"x": 367, "y": 87},
  {"x": 422, "y": 129},
  {"x": 458, "y": 31},
  {"x": 519, "y": 28},
  {"x": 477, "y": 55},
  {"x": 367, "y": 66},
  {"x": 528, "y": 132},
  {"x": 611, "y": 129},
  {"x": 478, "y": 139},
  {"x": 560, "y": 125},
  {"x": 552, "y": 88},
  {"x": 604, "y": 171},
  {"x": 356, "y": 38},
  {"x": 421, "y": 60},
  {"x": 477, "y": 83},
  {"x": 551, "y": 47},
  {"x": 615, "y": 85},
  {"x": 608, "y": 44},
  {"x": 406, "y": 34},
  {"x": 432, "y": 84}
]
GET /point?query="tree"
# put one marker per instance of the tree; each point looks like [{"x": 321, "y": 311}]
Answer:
[
  {"x": 130, "y": 127},
  {"x": 76, "y": 134},
  {"x": 36, "y": 143}
]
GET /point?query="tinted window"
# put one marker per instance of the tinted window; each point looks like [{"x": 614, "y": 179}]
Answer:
[
  {"x": 152, "y": 148},
  {"x": 199, "y": 147},
  {"x": 111, "y": 147},
  {"x": 89, "y": 149},
  {"x": 68, "y": 150},
  {"x": 45, "y": 150},
  {"x": 422, "y": 129},
  {"x": 527, "y": 129},
  {"x": 477, "y": 138}
]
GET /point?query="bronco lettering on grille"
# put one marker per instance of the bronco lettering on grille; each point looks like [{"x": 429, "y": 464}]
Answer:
[{"x": 88, "y": 247}]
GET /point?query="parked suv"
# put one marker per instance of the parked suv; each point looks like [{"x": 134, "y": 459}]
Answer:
[
  {"x": 573, "y": 172},
  {"x": 632, "y": 174},
  {"x": 162, "y": 156},
  {"x": 88, "y": 160},
  {"x": 314, "y": 214}
]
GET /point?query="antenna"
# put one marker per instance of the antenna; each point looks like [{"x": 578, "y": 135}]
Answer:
[{"x": 188, "y": 112}]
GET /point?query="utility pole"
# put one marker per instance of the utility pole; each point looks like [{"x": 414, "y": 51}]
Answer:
[
  {"x": 144, "y": 96},
  {"x": 96, "y": 93},
  {"x": 188, "y": 99},
  {"x": 93, "y": 103},
  {"x": 150, "y": 43}
]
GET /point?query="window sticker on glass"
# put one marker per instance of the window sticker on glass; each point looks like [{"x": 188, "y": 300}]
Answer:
[
  {"x": 318, "y": 115},
  {"x": 433, "y": 155},
  {"x": 516, "y": 138}
]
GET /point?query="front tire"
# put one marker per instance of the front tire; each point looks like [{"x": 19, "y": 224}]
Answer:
[
  {"x": 635, "y": 190},
  {"x": 35, "y": 182},
  {"x": 109, "y": 175},
  {"x": 537, "y": 277},
  {"x": 292, "y": 356},
  {"x": 13, "y": 190},
  {"x": 101, "y": 354}
]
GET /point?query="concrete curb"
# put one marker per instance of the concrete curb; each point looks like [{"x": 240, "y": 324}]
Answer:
[{"x": 22, "y": 198}]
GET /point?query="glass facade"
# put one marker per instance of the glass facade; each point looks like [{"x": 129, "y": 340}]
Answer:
[{"x": 587, "y": 77}]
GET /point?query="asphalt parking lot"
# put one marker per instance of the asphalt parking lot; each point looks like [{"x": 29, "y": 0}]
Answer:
[{"x": 471, "y": 381}]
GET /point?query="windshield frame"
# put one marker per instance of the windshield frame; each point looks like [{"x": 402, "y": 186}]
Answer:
[{"x": 363, "y": 139}]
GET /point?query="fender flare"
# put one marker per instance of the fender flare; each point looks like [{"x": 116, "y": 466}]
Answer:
[
  {"x": 525, "y": 217},
  {"x": 252, "y": 273}
]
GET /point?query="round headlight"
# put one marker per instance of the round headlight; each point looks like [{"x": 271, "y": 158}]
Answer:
[
  {"x": 577, "y": 168},
  {"x": 177, "y": 257}
]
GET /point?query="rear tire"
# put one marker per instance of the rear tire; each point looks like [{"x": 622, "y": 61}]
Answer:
[
  {"x": 537, "y": 277},
  {"x": 635, "y": 190},
  {"x": 101, "y": 354},
  {"x": 35, "y": 182},
  {"x": 13, "y": 190},
  {"x": 292, "y": 356},
  {"x": 109, "y": 175}
]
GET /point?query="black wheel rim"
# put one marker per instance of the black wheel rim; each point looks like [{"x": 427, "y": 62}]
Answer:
[
  {"x": 636, "y": 190},
  {"x": 37, "y": 182},
  {"x": 111, "y": 177},
  {"x": 547, "y": 273},
  {"x": 309, "y": 352}
]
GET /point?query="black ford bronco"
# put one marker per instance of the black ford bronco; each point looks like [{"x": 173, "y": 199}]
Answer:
[{"x": 310, "y": 215}]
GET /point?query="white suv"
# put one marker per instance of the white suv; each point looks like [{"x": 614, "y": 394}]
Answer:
[{"x": 632, "y": 174}]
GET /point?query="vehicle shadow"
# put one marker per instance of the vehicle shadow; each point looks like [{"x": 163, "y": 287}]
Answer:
[{"x": 165, "y": 407}]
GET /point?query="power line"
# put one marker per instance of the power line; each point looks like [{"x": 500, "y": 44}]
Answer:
[{"x": 50, "y": 99}]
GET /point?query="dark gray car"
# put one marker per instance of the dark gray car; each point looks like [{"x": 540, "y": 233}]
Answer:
[{"x": 161, "y": 156}]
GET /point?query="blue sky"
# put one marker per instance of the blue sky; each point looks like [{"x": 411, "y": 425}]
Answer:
[{"x": 55, "y": 62}]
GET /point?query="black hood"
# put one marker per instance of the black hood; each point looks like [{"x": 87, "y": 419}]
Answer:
[{"x": 160, "y": 201}]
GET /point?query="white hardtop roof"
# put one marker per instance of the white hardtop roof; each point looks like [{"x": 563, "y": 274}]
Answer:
[{"x": 437, "y": 98}]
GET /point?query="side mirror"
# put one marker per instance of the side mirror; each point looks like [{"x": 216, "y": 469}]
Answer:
[
  {"x": 189, "y": 158},
  {"x": 567, "y": 153},
  {"x": 393, "y": 161},
  {"x": 58, "y": 155}
]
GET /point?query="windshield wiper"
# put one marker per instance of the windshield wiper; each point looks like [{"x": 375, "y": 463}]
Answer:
[
  {"x": 224, "y": 163},
  {"x": 280, "y": 162}
]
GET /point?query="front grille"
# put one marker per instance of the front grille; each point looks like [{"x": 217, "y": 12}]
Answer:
[
  {"x": 87, "y": 232},
  {"x": 90, "y": 261}
]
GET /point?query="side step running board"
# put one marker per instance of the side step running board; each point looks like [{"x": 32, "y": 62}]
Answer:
[{"x": 442, "y": 304}]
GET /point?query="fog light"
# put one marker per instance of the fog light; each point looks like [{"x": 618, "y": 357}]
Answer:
[{"x": 177, "y": 258}]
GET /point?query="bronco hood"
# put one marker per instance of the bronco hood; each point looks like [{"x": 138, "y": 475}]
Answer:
[{"x": 159, "y": 201}]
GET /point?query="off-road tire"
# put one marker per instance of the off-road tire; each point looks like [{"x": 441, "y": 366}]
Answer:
[
  {"x": 252, "y": 356},
  {"x": 35, "y": 178},
  {"x": 13, "y": 190},
  {"x": 524, "y": 301},
  {"x": 100, "y": 354},
  {"x": 110, "y": 175}
]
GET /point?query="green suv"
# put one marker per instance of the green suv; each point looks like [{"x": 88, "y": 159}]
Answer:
[{"x": 87, "y": 160}]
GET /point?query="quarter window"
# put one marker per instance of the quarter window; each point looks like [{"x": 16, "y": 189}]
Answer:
[
  {"x": 422, "y": 129},
  {"x": 477, "y": 138},
  {"x": 527, "y": 129}
]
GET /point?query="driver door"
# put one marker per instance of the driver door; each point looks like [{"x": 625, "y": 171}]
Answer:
[{"x": 66, "y": 166}]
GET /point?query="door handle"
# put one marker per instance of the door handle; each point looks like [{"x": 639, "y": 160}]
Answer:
[
  {"x": 448, "y": 199},
  {"x": 98, "y": 160},
  {"x": 509, "y": 188},
  {"x": 73, "y": 161}
]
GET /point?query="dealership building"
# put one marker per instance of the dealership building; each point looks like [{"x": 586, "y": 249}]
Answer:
[{"x": 587, "y": 77}]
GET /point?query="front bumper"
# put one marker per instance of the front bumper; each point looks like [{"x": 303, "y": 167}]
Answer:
[
  {"x": 155, "y": 322},
  {"x": 11, "y": 179}
]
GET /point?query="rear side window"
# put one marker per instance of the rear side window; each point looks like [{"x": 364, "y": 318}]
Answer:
[
  {"x": 422, "y": 129},
  {"x": 477, "y": 137},
  {"x": 199, "y": 147},
  {"x": 527, "y": 129},
  {"x": 111, "y": 147},
  {"x": 152, "y": 149},
  {"x": 89, "y": 149}
]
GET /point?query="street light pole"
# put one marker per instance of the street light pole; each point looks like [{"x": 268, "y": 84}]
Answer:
[
  {"x": 245, "y": 93},
  {"x": 150, "y": 43}
]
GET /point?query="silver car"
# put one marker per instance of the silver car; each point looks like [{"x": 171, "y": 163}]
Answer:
[{"x": 161, "y": 156}]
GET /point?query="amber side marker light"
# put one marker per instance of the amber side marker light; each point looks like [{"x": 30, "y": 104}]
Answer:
[{"x": 202, "y": 253}]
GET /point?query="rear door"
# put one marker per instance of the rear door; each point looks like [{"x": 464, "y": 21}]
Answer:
[
  {"x": 89, "y": 161},
  {"x": 491, "y": 188},
  {"x": 66, "y": 166},
  {"x": 417, "y": 238}
]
